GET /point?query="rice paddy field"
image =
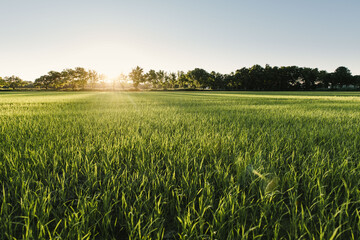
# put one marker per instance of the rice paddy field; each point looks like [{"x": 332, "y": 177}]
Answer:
[{"x": 180, "y": 165}]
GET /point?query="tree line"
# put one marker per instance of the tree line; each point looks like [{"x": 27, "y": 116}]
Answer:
[
  {"x": 254, "y": 78},
  {"x": 77, "y": 78},
  {"x": 13, "y": 82},
  {"x": 69, "y": 78}
]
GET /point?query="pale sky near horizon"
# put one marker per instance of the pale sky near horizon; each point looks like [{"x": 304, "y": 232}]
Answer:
[{"x": 112, "y": 37}]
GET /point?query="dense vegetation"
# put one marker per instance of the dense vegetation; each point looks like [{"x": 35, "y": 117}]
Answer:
[
  {"x": 67, "y": 79},
  {"x": 179, "y": 165},
  {"x": 254, "y": 78}
]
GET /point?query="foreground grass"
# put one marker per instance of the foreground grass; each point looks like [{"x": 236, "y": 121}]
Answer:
[{"x": 175, "y": 165}]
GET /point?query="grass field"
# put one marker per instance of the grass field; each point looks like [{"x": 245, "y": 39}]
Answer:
[{"x": 180, "y": 165}]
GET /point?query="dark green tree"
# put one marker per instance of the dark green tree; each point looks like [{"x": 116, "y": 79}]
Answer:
[
  {"x": 56, "y": 79},
  {"x": 323, "y": 80},
  {"x": 240, "y": 80},
  {"x": 2, "y": 82},
  {"x": 76, "y": 78},
  {"x": 42, "y": 82},
  {"x": 137, "y": 76},
  {"x": 172, "y": 80},
  {"x": 309, "y": 77},
  {"x": 51, "y": 80},
  {"x": 342, "y": 77},
  {"x": 217, "y": 81},
  {"x": 199, "y": 78},
  {"x": 161, "y": 77},
  {"x": 229, "y": 80},
  {"x": 182, "y": 79},
  {"x": 151, "y": 77},
  {"x": 80, "y": 77},
  {"x": 14, "y": 82},
  {"x": 356, "y": 81},
  {"x": 257, "y": 78}
]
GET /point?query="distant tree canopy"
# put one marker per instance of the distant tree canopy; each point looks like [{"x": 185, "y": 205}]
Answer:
[
  {"x": 68, "y": 78},
  {"x": 2, "y": 82},
  {"x": 13, "y": 82},
  {"x": 137, "y": 76},
  {"x": 255, "y": 78}
]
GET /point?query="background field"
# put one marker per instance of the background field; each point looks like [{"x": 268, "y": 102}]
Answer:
[{"x": 180, "y": 165}]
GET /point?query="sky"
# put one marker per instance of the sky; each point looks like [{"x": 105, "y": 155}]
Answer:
[{"x": 114, "y": 36}]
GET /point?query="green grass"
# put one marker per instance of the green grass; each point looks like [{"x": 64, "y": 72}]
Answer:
[{"x": 180, "y": 165}]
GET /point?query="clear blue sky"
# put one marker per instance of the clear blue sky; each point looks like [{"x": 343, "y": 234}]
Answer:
[{"x": 113, "y": 36}]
